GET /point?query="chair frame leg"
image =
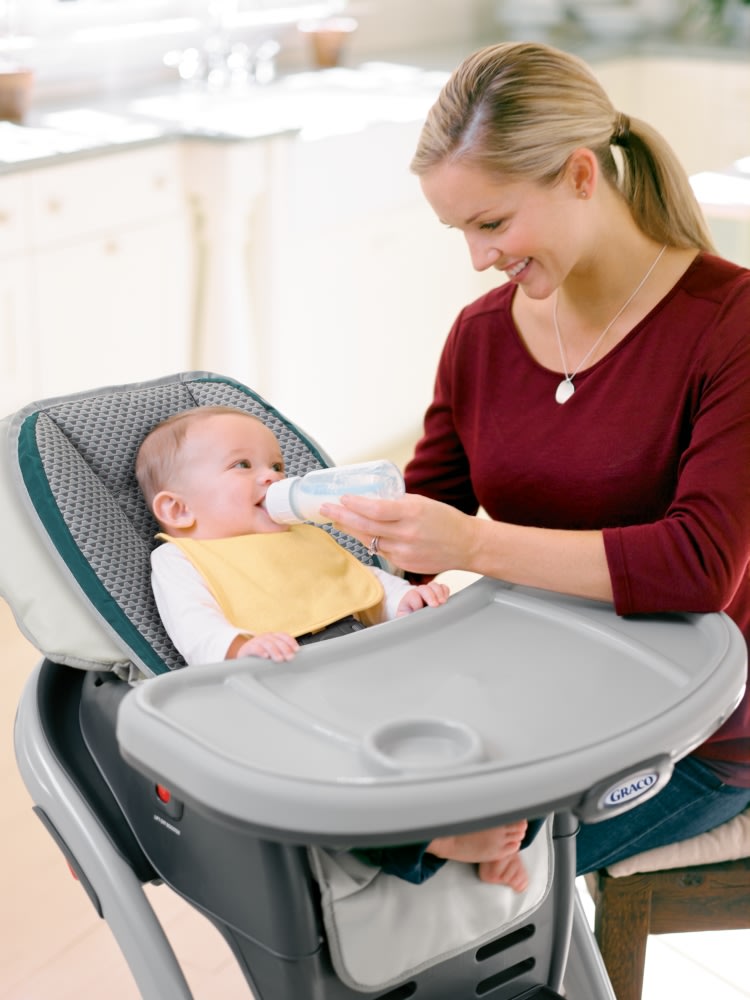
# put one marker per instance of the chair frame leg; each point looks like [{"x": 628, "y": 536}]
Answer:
[
  {"x": 711, "y": 897},
  {"x": 621, "y": 929},
  {"x": 119, "y": 893},
  {"x": 586, "y": 977}
]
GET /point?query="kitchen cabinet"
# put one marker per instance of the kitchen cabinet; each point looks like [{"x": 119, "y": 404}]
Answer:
[
  {"x": 699, "y": 105},
  {"x": 225, "y": 183},
  {"x": 111, "y": 308},
  {"x": 112, "y": 260},
  {"x": 98, "y": 290},
  {"x": 306, "y": 264},
  {"x": 351, "y": 285},
  {"x": 328, "y": 284},
  {"x": 15, "y": 296},
  {"x": 680, "y": 98},
  {"x": 15, "y": 350},
  {"x": 313, "y": 270}
]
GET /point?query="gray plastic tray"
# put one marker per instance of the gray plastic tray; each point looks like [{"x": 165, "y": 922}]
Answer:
[{"x": 504, "y": 703}]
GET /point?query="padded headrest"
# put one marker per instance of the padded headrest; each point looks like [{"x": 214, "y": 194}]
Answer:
[{"x": 76, "y": 529}]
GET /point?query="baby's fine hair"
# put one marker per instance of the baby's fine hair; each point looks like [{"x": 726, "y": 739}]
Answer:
[
  {"x": 158, "y": 456},
  {"x": 520, "y": 109}
]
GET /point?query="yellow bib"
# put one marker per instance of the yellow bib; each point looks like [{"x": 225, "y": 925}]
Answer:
[{"x": 294, "y": 581}]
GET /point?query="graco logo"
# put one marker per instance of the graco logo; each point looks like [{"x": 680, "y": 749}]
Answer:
[{"x": 630, "y": 790}]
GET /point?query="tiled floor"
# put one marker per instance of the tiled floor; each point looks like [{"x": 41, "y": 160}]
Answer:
[
  {"x": 711, "y": 966},
  {"x": 54, "y": 947}
]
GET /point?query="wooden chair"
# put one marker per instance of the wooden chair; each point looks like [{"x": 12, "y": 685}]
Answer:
[{"x": 683, "y": 887}]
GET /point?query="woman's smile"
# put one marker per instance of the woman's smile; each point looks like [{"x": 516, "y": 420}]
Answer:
[{"x": 515, "y": 270}]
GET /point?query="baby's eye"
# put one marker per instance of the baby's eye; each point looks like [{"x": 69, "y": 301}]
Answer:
[
  {"x": 243, "y": 463},
  {"x": 278, "y": 466}
]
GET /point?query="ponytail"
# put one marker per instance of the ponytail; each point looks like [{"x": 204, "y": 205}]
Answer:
[{"x": 655, "y": 185}]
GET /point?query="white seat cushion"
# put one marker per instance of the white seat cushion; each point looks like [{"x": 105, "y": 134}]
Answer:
[
  {"x": 381, "y": 929},
  {"x": 727, "y": 842}
]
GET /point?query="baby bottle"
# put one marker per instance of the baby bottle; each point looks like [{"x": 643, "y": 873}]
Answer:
[{"x": 298, "y": 498}]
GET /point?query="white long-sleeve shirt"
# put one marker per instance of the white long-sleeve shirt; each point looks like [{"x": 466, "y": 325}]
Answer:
[{"x": 196, "y": 624}]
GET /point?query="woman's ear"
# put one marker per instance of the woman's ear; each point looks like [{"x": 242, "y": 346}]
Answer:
[
  {"x": 171, "y": 511},
  {"x": 582, "y": 172}
]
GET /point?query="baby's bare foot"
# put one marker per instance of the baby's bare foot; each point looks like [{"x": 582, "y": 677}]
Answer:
[
  {"x": 508, "y": 871},
  {"x": 493, "y": 844}
]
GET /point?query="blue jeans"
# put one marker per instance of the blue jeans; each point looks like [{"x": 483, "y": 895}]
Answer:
[{"x": 693, "y": 801}]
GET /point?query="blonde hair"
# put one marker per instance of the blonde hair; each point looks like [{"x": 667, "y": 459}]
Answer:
[
  {"x": 156, "y": 464},
  {"x": 520, "y": 109}
]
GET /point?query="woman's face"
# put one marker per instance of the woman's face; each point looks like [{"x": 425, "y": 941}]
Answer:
[{"x": 528, "y": 230}]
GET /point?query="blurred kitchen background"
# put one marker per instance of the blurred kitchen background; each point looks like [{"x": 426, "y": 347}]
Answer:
[{"x": 224, "y": 184}]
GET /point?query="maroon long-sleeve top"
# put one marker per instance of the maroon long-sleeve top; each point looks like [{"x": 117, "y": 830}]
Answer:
[{"x": 653, "y": 449}]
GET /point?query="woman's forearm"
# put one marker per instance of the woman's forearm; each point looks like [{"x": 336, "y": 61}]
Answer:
[{"x": 572, "y": 562}]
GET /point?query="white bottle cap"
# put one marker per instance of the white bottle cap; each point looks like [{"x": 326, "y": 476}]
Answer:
[{"x": 277, "y": 503}]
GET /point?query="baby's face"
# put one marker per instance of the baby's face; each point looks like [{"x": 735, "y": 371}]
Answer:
[{"x": 227, "y": 463}]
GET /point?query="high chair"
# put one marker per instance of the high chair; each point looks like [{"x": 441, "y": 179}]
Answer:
[{"x": 242, "y": 785}]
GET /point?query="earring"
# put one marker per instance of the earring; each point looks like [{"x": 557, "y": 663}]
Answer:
[{"x": 583, "y": 194}]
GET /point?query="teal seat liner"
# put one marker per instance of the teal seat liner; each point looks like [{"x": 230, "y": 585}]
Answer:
[{"x": 76, "y": 457}]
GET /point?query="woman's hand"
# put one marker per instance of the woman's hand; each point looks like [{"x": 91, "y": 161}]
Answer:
[
  {"x": 416, "y": 533},
  {"x": 421, "y": 535}
]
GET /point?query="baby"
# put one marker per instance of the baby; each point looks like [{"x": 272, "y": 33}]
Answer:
[
  {"x": 204, "y": 474},
  {"x": 230, "y": 583}
]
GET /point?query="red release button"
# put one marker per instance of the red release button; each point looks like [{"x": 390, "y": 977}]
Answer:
[{"x": 163, "y": 793}]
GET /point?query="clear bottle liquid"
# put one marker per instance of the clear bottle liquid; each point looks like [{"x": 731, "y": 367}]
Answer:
[{"x": 299, "y": 498}]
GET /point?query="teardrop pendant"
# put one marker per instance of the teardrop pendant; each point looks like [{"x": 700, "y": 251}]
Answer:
[{"x": 564, "y": 391}]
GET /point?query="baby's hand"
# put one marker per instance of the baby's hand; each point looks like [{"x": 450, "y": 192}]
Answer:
[
  {"x": 276, "y": 646},
  {"x": 427, "y": 594}
]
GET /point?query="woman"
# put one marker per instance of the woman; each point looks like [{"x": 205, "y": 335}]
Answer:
[{"x": 597, "y": 404}]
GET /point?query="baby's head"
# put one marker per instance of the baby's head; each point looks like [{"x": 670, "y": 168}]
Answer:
[{"x": 204, "y": 473}]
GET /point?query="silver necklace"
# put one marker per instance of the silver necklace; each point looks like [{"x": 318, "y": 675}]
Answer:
[{"x": 566, "y": 388}]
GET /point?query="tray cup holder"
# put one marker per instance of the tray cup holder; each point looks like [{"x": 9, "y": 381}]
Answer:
[{"x": 423, "y": 745}]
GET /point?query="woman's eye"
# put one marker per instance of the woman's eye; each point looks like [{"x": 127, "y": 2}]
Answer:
[{"x": 490, "y": 225}]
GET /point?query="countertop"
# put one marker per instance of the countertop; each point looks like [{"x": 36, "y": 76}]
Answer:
[
  {"x": 314, "y": 103},
  {"x": 311, "y": 103}
]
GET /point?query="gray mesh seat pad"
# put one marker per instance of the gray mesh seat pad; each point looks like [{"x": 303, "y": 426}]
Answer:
[{"x": 76, "y": 457}]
